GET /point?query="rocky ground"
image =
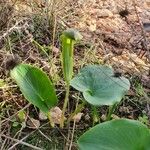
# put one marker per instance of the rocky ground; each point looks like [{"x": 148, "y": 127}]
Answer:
[{"x": 115, "y": 28}]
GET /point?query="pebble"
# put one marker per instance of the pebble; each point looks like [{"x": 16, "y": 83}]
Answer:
[{"x": 101, "y": 13}]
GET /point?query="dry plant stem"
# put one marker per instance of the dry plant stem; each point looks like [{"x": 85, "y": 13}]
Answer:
[
  {"x": 54, "y": 33},
  {"x": 21, "y": 142},
  {"x": 0, "y": 131},
  {"x": 3, "y": 122},
  {"x": 51, "y": 124},
  {"x": 111, "y": 110},
  {"x": 65, "y": 104},
  {"x": 72, "y": 135},
  {"x": 12, "y": 147},
  {"x": 18, "y": 134},
  {"x": 74, "y": 125},
  {"x": 3, "y": 144},
  {"x": 15, "y": 27}
]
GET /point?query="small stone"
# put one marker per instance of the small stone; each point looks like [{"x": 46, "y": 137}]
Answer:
[
  {"x": 56, "y": 114},
  {"x": 103, "y": 117},
  {"x": 42, "y": 116},
  {"x": 87, "y": 117},
  {"x": 92, "y": 25},
  {"x": 102, "y": 13}
]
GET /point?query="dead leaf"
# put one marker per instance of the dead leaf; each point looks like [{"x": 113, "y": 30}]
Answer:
[
  {"x": 56, "y": 113},
  {"x": 131, "y": 93},
  {"x": 55, "y": 49},
  {"x": 77, "y": 117},
  {"x": 33, "y": 123},
  {"x": 87, "y": 117}
]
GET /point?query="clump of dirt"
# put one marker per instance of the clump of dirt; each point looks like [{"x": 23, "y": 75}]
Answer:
[{"x": 6, "y": 13}]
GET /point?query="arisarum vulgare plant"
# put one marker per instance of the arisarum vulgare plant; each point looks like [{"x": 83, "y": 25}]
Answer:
[{"x": 68, "y": 39}]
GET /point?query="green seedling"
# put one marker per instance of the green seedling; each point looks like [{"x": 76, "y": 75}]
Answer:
[
  {"x": 121, "y": 134},
  {"x": 144, "y": 119},
  {"x": 2, "y": 83},
  {"x": 15, "y": 123},
  {"x": 36, "y": 87},
  {"x": 68, "y": 39},
  {"x": 21, "y": 115},
  {"x": 100, "y": 87}
]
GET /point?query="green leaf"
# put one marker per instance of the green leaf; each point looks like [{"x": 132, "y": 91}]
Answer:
[
  {"x": 15, "y": 124},
  {"x": 99, "y": 86},
  {"x": 120, "y": 134},
  {"x": 35, "y": 86}
]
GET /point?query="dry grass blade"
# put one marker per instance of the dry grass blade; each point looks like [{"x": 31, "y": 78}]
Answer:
[
  {"x": 16, "y": 26},
  {"x": 24, "y": 143},
  {"x": 19, "y": 141},
  {"x": 8, "y": 119},
  {"x": 38, "y": 129}
]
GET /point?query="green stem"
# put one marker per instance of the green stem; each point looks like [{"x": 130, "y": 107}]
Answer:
[
  {"x": 50, "y": 119},
  {"x": 65, "y": 105},
  {"x": 78, "y": 109},
  {"x": 95, "y": 115},
  {"x": 110, "y": 112}
]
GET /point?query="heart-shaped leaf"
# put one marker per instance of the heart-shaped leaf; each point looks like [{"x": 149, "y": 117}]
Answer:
[
  {"x": 99, "y": 85},
  {"x": 35, "y": 86},
  {"x": 120, "y": 134}
]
